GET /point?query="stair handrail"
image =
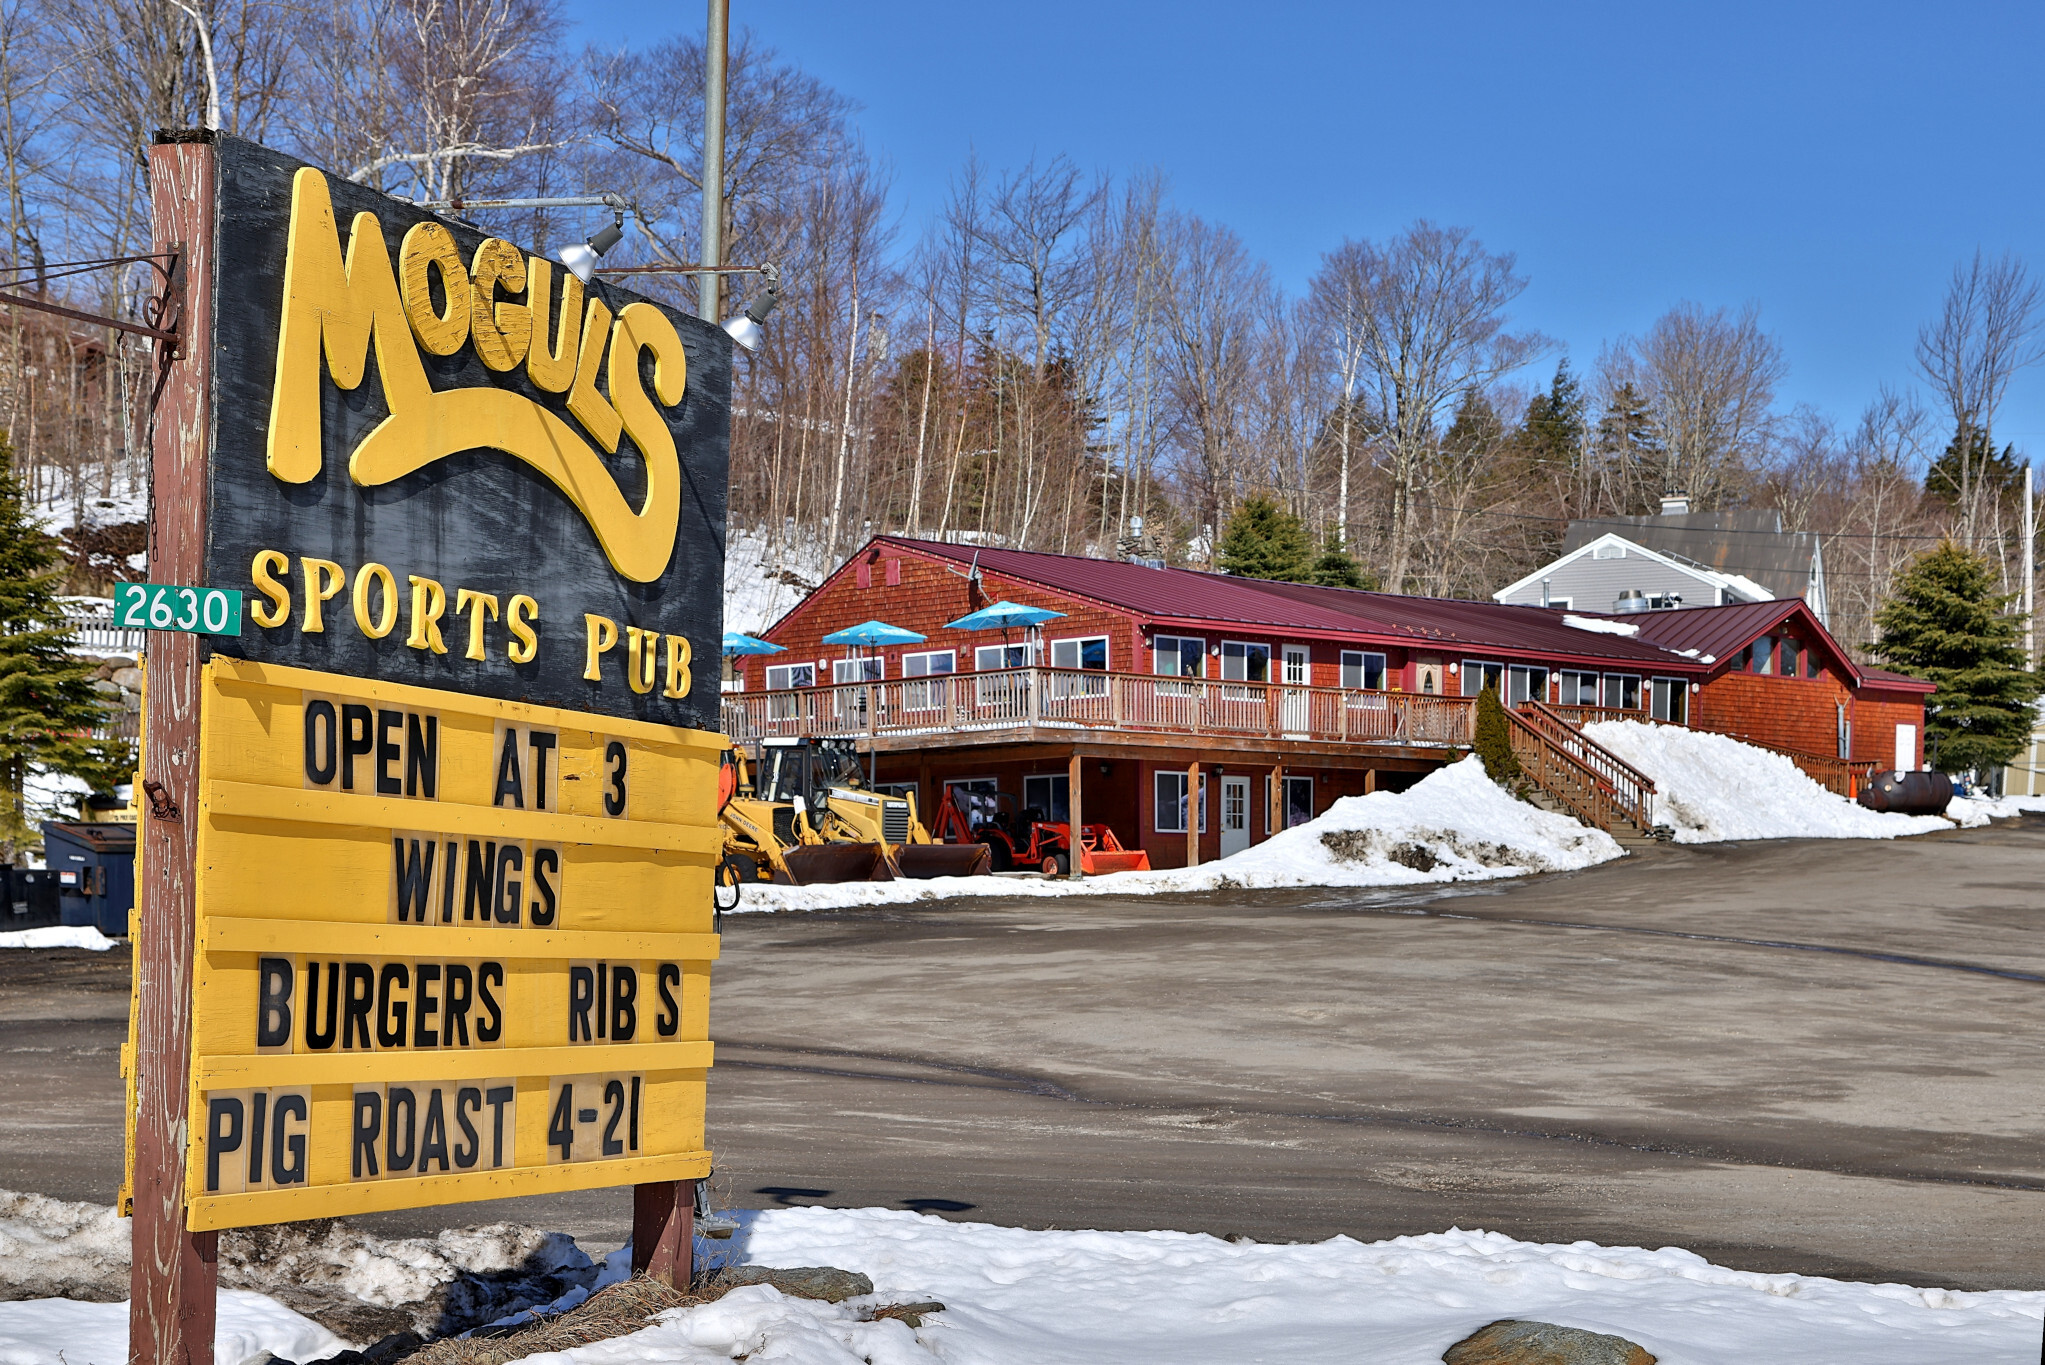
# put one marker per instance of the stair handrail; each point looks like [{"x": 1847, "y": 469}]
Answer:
[
  {"x": 1603, "y": 755},
  {"x": 1590, "y": 798},
  {"x": 1630, "y": 790}
]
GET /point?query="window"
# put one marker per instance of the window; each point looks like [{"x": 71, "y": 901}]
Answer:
[
  {"x": 1812, "y": 668},
  {"x": 906, "y": 790},
  {"x": 1558, "y": 604},
  {"x": 1178, "y": 656},
  {"x": 1609, "y": 552},
  {"x": 1171, "y": 802},
  {"x": 858, "y": 670},
  {"x": 1364, "y": 670},
  {"x": 1091, "y": 652},
  {"x": 1622, "y": 691},
  {"x": 1525, "y": 683},
  {"x": 1579, "y": 689},
  {"x": 988, "y": 657},
  {"x": 1761, "y": 655},
  {"x": 1669, "y": 700},
  {"x": 1299, "y": 800},
  {"x": 1478, "y": 675},
  {"x": 1049, "y": 796},
  {"x": 1789, "y": 662},
  {"x": 921, "y": 693},
  {"x": 978, "y": 798},
  {"x": 791, "y": 675},
  {"x": 1242, "y": 662}
]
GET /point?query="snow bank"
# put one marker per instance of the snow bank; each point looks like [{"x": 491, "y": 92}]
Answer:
[
  {"x": 1975, "y": 811},
  {"x": 1017, "y": 1297},
  {"x": 250, "y": 1327},
  {"x": 1453, "y": 825},
  {"x": 1713, "y": 788},
  {"x": 59, "y": 936}
]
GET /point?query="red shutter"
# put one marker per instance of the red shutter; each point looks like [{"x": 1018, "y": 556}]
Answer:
[
  {"x": 865, "y": 574},
  {"x": 894, "y": 573}
]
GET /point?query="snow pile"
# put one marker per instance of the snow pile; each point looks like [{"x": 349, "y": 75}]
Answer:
[
  {"x": 1712, "y": 788},
  {"x": 58, "y": 936},
  {"x": 1975, "y": 811},
  {"x": 1017, "y": 1297},
  {"x": 250, "y": 1328},
  {"x": 1453, "y": 825},
  {"x": 354, "y": 1283}
]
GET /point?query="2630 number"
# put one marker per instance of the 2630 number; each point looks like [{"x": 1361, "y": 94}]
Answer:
[{"x": 163, "y": 606}]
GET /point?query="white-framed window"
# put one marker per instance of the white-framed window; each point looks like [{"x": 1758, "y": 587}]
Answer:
[
  {"x": 1171, "y": 802},
  {"x": 1579, "y": 689},
  {"x": 1609, "y": 552},
  {"x": 1089, "y": 652},
  {"x": 926, "y": 672},
  {"x": 1669, "y": 700},
  {"x": 1178, "y": 656},
  {"x": 1525, "y": 682},
  {"x": 1299, "y": 801},
  {"x": 858, "y": 670},
  {"x": 782, "y": 676},
  {"x": 990, "y": 657},
  {"x": 1558, "y": 604},
  {"x": 1622, "y": 692},
  {"x": 1362, "y": 669},
  {"x": 1049, "y": 794},
  {"x": 1243, "y": 661},
  {"x": 1477, "y": 674}
]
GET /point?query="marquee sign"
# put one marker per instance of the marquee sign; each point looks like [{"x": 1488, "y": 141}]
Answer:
[{"x": 453, "y": 820}]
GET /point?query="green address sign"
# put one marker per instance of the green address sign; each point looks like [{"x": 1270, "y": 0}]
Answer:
[{"x": 160, "y": 606}]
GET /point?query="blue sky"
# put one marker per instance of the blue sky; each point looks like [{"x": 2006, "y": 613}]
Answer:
[{"x": 1828, "y": 162}]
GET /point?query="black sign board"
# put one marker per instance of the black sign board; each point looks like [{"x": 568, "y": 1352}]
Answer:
[{"x": 442, "y": 460}]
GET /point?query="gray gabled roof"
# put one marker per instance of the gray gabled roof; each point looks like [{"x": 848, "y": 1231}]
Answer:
[{"x": 1749, "y": 542}]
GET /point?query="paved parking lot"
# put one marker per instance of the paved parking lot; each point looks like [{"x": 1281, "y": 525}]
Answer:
[{"x": 1814, "y": 1057}]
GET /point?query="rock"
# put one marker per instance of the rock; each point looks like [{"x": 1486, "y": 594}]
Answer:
[
  {"x": 1542, "y": 1343},
  {"x": 803, "y": 1282},
  {"x": 127, "y": 679}
]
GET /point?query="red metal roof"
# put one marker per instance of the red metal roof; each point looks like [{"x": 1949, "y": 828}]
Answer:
[
  {"x": 1722, "y": 632},
  {"x": 1451, "y": 625}
]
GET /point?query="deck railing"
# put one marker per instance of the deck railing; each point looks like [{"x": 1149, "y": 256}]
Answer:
[
  {"x": 1847, "y": 777},
  {"x": 1085, "y": 699}
]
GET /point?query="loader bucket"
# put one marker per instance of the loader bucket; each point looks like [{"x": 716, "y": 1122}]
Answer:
[
  {"x": 943, "y": 860},
  {"x": 1094, "y": 862},
  {"x": 819, "y": 864}
]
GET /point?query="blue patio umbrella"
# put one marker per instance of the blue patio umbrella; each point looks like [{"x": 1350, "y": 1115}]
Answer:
[
  {"x": 1002, "y": 615},
  {"x": 873, "y": 634},
  {"x": 737, "y": 643}
]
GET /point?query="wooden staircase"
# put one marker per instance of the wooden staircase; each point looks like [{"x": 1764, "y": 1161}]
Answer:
[{"x": 1574, "y": 774}]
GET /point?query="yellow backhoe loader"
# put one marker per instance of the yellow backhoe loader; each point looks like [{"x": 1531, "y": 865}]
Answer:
[{"x": 803, "y": 813}]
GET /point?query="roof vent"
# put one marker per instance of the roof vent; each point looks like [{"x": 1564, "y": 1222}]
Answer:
[
  {"x": 1675, "y": 504},
  {"x": 1613, "y": 551},
  {"x": 1632, "y": 600}
]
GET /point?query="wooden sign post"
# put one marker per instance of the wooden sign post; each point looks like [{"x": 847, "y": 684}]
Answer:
[{"x": 425, "y": 909}]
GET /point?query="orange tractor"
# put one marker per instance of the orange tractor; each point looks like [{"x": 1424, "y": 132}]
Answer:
[{"x": 1025, "y": 840}]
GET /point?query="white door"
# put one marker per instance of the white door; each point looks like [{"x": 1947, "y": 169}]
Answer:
[
  {"x": 1235, "y": 815},
  {"x": 1298, "y": 701},
  {"x": 1906, "y": 748}
]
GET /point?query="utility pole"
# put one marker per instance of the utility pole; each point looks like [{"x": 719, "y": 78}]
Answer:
[
  {"x": 715, "y": 41},
  {"x": 2030, "y": 597}
]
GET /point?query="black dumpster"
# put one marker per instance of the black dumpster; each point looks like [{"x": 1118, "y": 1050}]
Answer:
[
  {"x": 1919, "y": 793},
  {"x": 32, "y": 900},
  {"x": 94, "y": 866}
]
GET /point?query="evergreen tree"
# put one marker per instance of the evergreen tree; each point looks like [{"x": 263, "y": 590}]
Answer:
[
  {"x": 1263, "y": 540},
  {"x": 48, "y": 707},
  {"x": 1995, "y": 475},
  {"x": 1947, "y": 624},
  {"x": 1335, "y": 569},
  {"x": 1493, "y": 740},
  {"x": 1555, "y": 423}
]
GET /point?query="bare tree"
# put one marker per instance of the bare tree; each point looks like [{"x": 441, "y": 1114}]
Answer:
[
  {"x": 1433, "y": 329},
  {"x": 1030, "y": 237},
  {"x": 1987, "y": 330},
  {"x": 1708, "y": 380}
]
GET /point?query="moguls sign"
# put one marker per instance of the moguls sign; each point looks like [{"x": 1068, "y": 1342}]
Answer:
[{"x": 456, "y": 806}]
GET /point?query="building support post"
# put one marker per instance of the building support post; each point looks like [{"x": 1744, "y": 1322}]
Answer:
[
  {"x": 1274, "y": 818},
  {"x": 173, "y": 1276},
  {"x": 1195, "y": 807},
  {"x": 1075, "y": 843},
  {"x": 1370, "y": 780},
  {"x": 664, "y": 1231}
]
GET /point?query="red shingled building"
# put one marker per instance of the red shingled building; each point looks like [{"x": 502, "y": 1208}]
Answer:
[{"x": 1270, "y": 699}]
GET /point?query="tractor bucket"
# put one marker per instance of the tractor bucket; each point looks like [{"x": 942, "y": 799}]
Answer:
[
  {"x": 818, "y": 864},
  {"x": 1093, "y": 862},
  {"x": 943, "y": 860}
]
